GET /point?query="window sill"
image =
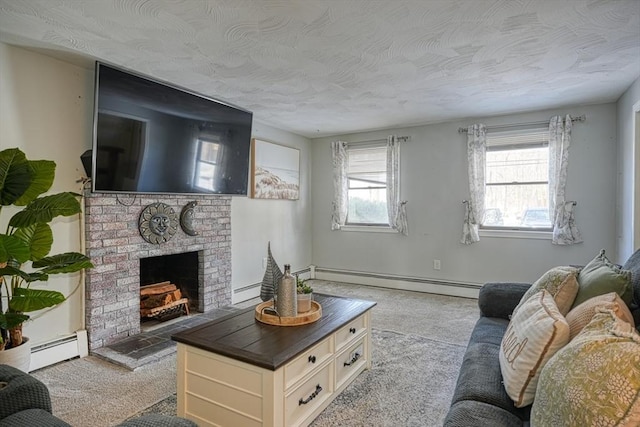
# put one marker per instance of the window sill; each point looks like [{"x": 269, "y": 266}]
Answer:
[
  {"x": 368, "y": 228},
  {"x": 516, "y": 234}
]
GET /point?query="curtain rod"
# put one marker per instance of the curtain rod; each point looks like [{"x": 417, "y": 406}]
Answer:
[
  {"x": 400, "y": 138},
  {"x": 581, "y": 118}
]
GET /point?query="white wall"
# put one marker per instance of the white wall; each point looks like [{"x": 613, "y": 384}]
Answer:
[
  {"x": 434, "y": 181},
  {"x": 46, "y": 110},
  {"x": 628, "y": 202},
  {"x": 285, "y": 223}
]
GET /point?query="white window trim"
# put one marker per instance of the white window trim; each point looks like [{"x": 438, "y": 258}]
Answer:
[
  {"x": 506, "y": 232},
  {"x": 368, "y": 228},
  {"x": 516, "y": 234},
  {"x": 372, "y": 228}
]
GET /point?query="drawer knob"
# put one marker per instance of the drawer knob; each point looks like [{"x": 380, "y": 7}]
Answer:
[
  {"x": 352, "y": 330},
  {"x": 311, "y": 396},
  {"x": 353, "y": 360},
  {"x": 312, "y": 359}
]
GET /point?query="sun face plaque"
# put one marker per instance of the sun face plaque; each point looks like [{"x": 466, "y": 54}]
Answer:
[{"x": 157, "y": 223}]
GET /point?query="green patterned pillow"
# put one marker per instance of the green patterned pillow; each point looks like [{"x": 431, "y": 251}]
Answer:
[
  {"x": 594, "y": 380},
  {"x": 601, "y": 276},
  {"x": 561, "y": 283}
]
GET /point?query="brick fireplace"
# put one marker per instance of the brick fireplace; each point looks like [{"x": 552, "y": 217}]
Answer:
[{"x": 115, "y": 247}]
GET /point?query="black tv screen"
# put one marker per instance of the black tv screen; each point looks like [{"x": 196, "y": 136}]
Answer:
[{"x": 151, "y": 137}]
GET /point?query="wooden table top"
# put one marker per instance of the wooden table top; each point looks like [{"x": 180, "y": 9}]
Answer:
[{"x": 240, "y": 336}]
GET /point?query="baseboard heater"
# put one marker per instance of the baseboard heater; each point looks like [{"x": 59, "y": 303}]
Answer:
[
  {"x": 60, "y": 349},
  {"x": 257, "y": 285},
  {"x": 418, "y": 284}
]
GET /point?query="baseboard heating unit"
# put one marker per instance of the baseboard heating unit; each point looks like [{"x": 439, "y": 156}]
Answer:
[
  {"x": 63, "y": 348},
  {"x": 418, "y": 284}
]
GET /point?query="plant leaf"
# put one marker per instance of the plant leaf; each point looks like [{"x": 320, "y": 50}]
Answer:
[
  {"x": 44, "y": 209},
  {"x": 39, "y": 239},
  {"x": 68, "y": 262},
  {"x": 29, "y": 277},
  {"x": 15, "y": 175},
  {"x": 12, "y": 247},
  {"x": 43, "y": 172},
  {"x": 27, "y": 299},
  {"x": 11, "y": 320}
]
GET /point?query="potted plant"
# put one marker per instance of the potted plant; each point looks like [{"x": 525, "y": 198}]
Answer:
[
  {"x": 305, "y": 295},
  {"x": 25, "y": 246}
]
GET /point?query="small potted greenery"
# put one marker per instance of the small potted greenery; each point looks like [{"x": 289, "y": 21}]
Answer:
[
  {"x": 305, "y": 295},
  {"x": 25, "y": 246}
]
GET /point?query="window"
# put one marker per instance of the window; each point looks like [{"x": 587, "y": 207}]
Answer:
[
  {"x": 208, "y": 154},
  {"x": 517, "y": 180},
  {"x": 367, "y": 186}
]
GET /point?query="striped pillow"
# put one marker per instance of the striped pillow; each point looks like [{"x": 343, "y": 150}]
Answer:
[
  {"x": 536, "y": 332},
  {"x": 581, "y": 315}
]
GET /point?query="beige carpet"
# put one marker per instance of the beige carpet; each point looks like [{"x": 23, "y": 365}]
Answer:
[{"x": 91, "y": 392}]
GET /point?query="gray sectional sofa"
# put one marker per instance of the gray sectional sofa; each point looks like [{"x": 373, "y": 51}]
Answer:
[{"x": 480, "y": 399}]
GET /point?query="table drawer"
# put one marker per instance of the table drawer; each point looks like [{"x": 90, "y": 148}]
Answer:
[
  {"x": 306, "y": 362},
  {"x": 350, "y": 362},
  {"x": 348, "y": 333},
  {"x": 311, "y": 394}
]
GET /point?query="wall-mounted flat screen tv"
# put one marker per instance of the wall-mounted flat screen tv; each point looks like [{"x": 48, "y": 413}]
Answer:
[{"x": 152, "y": 137}]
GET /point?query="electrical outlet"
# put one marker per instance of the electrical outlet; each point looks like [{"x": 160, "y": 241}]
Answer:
[
  {"x": 264, "y": 262},
  {"x": 436, "y": 264}
]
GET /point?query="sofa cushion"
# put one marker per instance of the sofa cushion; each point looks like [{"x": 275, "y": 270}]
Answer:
[
  {"x": 537, "y": 330},
  {"x": 469, "y": 413},
  {"x": 488, "y": 330},
  {"x": 601, "y": 276},
  {"x": 498, "y": 299},
  {"x": 22, "y": 391},
  {"x": 633, "y": 265},
  {"x": 157, "y": 420},
  {"x": 561, "y": 282},
  {"x": 594, "y": 380},
  {"x": 34, "y": 417},
  {"x": 480, "y": 378},
  {"x": 581, "y": 315}
]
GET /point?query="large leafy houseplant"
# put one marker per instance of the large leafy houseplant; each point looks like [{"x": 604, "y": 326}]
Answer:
[{"x": 25, "y": 246}]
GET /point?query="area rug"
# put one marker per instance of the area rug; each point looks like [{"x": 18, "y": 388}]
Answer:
[{"x": 410, "y": 383}]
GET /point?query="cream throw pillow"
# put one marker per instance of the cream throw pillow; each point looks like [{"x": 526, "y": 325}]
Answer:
[
  {"x": 581, "y": 315},
  {"x": 561, "y": 282},
  {"x": 594, "y": 380},
  {"x": 535, "y": 333}
]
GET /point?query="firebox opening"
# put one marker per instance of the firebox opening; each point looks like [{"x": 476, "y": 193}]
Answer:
[{"x": 179, "y": 269}]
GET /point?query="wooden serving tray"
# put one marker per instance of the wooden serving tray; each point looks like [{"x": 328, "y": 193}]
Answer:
[{"x": 301, "y": 319}]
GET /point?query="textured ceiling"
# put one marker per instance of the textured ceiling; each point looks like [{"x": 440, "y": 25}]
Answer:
[{"x": 323, "y": 67}]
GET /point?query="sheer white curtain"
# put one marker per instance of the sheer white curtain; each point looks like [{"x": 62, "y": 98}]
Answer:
[
  {"x": 340, "y": 162},
  {"x": 395, "y": 208},
  {"x": 474, "y": 207},
  {"x": 565, "y": 231}
]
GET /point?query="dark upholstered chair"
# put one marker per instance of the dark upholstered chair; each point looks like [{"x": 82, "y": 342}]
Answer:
[{"x": 25, "y": 401}]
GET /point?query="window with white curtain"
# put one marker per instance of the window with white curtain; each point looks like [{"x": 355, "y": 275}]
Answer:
[
  {"x": 517, "y": 180},
  {"x": 367, "y": 185}
]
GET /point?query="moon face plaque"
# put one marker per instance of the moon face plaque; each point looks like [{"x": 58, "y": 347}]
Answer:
[
  {"x": 186, "y": 218},
  {"x": 157, "y": 223}
]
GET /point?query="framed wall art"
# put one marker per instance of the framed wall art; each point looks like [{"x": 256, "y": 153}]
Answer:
[{"x": 275, "y": 171}]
